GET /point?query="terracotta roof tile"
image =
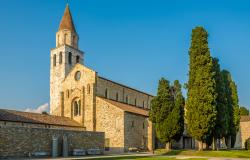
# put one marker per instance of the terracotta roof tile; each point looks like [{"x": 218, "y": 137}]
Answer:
[
  {"x": 27, "y": 117},
  {"x": 67, "y": 21},
  {"x": 127, "y": 107}
]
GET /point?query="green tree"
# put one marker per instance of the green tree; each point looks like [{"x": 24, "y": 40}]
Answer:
[
  {"x": 232, "y": 107},
  {"x": 178, "y": 111},
  {"x": 201, "y": 97},
  {"x": 222, "y": 118},
  {"x": 166, "y": 114},
  {"x": 236, "y": 112},
  {"x": 244, "y": 111}
]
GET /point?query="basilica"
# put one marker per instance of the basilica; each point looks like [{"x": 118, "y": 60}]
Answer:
[
  {"x": 95, "y": 102},
  {"x": 88, "y": 113}
]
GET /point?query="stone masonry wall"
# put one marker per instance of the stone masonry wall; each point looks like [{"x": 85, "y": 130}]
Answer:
[
  {"x": 59, "y": 72},
  {"x": 110, "y": 119},
  {"x": 84, "y": 88},
  {"x": 136, "y": 131},
  {"x": 242, "y": 135},
  {"x": 20, "y": 141},
  {"x": 33, "y": 125},
  {"x": 135, "y": 97}
]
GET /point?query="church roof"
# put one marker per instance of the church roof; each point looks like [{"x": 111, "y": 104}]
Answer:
[
  {"x": 36, "y": 118},
  {"x": 127, "y": 107},
  {"x": 244, "y": 118},
  {"x": 67, "y": 21}
]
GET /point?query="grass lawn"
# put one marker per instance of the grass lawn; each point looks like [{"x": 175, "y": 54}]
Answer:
[
  {"x": 163, "y": 155},
  {"x": 223, "y": 153},
  {"x": 145, "y": 158}
]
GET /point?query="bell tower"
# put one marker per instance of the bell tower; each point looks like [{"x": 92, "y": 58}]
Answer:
[
  {"x": 63, "y": 58},
  {"x": 66, "y": 34}
]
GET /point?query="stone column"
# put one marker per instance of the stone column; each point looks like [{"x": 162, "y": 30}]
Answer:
[
  {"x": 62, "y": 103},
  {"x": 83, "y": 105},
  {"x": 151, "y": 136}
]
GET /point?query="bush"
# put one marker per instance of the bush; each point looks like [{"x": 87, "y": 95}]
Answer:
[{"x": 247, "y": 144}]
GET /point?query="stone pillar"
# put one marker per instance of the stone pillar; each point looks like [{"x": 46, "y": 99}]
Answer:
[
  {"x": 83, "y": 105},
  {"x": 65, "y": 146},
  {"x": 62, "y": 103},
  {"x": 151, "y": 136},
  {"x": 54, "y": 146}
]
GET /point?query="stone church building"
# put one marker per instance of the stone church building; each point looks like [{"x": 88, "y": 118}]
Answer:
[
  {"x": 87, "y": 111},
  {"x": 95, "y": 102},
  {"x": 91, "y": 111}
]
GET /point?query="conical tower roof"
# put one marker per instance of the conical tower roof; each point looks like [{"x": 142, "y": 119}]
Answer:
[{"x": 67, "y": 21}]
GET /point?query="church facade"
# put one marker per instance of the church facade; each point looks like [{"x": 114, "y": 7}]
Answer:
[{"x": 95, "y": 102}]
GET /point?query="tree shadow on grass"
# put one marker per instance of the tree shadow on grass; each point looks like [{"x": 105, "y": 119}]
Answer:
[
  {"x": 123, "y": 158},
  {"x": 169, "y": 153}
]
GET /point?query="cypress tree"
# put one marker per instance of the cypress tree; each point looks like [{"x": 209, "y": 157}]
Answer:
[
  {"x": 222, "y": 119},
  {"x": 232, "y": 107},
  {"x": 160, "y": 103},
  {"x": 166, "y": 114},
  {"x": 178, "y": 111},
  {"x": 201, "y": 97},
  {"x": 236, "y": 112}
]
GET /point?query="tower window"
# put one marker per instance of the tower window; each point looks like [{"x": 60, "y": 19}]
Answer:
[
  {"x": 77, "y": 59},
  {"x": 60, "y": 58},
  {"x": 70, "y": 58},
  {"x": 73, "y": 42},
  {"x": 65, "y": 38},
  {"x": 54, "y": 60}
]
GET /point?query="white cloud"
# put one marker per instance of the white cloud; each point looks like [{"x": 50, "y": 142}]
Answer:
[{"x": 39, "y": 109}]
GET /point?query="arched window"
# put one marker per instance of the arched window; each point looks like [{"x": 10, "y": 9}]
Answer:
[
  {"x": 143, "y": 104},
  {"x": 106, "y": 93},
  {"x": 117, "y": 96},
  {"x": 60, "y": 58},
  {"x": 70, "y": 58},
  {"x": 88, "y": 88},
  {"x": 54, "y": 60},
  {"x": 77, "y": 107},
  {"x": 77, "y": 59}
]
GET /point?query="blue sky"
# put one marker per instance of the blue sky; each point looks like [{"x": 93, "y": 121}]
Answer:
[{"x": 134, "y": 42}]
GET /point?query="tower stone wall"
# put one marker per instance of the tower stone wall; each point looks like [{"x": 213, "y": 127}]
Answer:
[{"x": 59, "y": 70}]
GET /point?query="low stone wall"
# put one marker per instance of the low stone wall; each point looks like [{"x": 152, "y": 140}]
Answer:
[{"x": 22, "y": 141}]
